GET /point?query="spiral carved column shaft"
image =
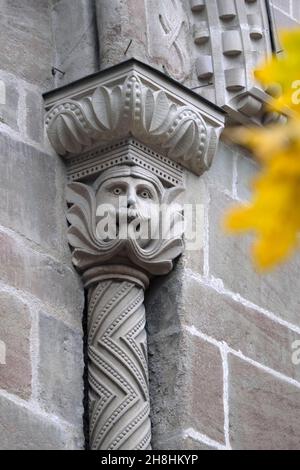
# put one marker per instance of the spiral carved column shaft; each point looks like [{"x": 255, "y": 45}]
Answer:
[{"x": 119, "y": 404}]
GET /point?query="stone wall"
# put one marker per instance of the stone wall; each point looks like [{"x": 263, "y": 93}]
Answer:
[
  {"x": 286, "y": 13},
  {"x": 41, "y": 298},
  {"x": 75, "y": 39},
  {"x": 222, "y": 337}
]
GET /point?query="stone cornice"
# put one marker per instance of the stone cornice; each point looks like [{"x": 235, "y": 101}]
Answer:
[{"x": 134, "y": 100}]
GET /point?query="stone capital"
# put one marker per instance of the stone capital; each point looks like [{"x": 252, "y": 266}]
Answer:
[
  {"x": 133, "y": 100},
  {"x": 129, "y": 123}
]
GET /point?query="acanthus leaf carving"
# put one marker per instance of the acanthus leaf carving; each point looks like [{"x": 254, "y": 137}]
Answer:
[{"x": 133, "y": 108}]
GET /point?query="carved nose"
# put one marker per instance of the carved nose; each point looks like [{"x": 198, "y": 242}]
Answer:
[{"x": 131, "y": 200}]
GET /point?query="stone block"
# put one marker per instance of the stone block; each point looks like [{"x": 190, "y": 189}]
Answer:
[
  {"x": 60, "y": 372},
  {"x": 75, "y": 38},
  {"x": 186, "y": 386},
  {"x": 241, "y": 327},
  {"x": 180, "y": 442},
  {"x": 34, "y": 116},
  {"x": 284, "y": 21},
  {"x": 264, "y": 411},
  {"x": 15, "y": 369},
  {"x": 296, "y": 10},
  {"x": 283, "y": 5},
  {"x": 247, "y": 170},
  {"x": 22, "y": 429},
  {"x": 183, "y": 300},
  {"x": 229, "y": 260},
  {"x": 26, "y": 42},
  {"x": 221, "y": 172},
  {"x": 55, "y": 284},
  {"x": 164, "y": 302},
  {"x": 195, "y": 199},
  {"x": 9, "y": 101},
  {"x": 30, "y": 203}
]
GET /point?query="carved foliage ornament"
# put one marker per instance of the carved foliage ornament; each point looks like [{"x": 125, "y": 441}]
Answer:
[{"x": 111, "y": 112}]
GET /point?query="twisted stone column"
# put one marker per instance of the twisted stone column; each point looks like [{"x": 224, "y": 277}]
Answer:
[{"x": 119, "y": 401}]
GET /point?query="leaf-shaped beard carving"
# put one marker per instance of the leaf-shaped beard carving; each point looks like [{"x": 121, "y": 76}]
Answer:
[{"x": 127, "y": 217}]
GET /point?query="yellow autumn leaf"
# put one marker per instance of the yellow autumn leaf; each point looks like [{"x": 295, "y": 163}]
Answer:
[{"x": 273, "y": 215}]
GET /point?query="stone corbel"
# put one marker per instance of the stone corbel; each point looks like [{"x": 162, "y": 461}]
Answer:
[{"x": 126, "y": 135}]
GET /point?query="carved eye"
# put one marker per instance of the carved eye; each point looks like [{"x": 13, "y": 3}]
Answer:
[
  {"x": 145, "y": 194},
  {"x": 117, "y": 191}
]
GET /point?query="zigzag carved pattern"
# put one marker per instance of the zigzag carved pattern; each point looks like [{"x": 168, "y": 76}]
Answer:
[{"x": 118, "y": 368}]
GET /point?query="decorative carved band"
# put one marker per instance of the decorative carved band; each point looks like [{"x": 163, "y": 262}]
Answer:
[
  {"x": 125, "y": 152},
  {"x": 118, "y": 370}
]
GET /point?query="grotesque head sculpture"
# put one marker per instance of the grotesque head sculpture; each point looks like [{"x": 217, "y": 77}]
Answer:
[
  {"x": 128, "y": 201},
  {"x": 127, "y": 216}
]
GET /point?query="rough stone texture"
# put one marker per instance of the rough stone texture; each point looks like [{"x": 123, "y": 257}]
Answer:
[
  {"x": 283, "y": 21},
  {"x": 284, "y": 5},
  {"x": 60, "y": 369},
  {"x": 25, "y": 35},
  {"x": 35, "y": 258},
  {"x": 221, "y": 171},
  {"x": 180, "y": 442},
  {"x": 277, "y": 292},
  {"x": 195, "y": 200},
  {"x": 184, "y": 300},
  {"x": 247, "y": 170},
  {"x": 15, "y": 321},
  {"x": 264, "y": 411},
  {"x": 33, "y": 213},
  {"x": 9, "y": 101},
  {"x": 186, "y": 386},
  {"x": 285, "y": 15},
  {"x": 40, "y": 275},
  {"x": 34, "y": 116},
  {"x": 75, "y": 39},
  {"x": 155, "y": 32},
  {"x": 22, "y": 429},
  {"x": 296, "y": 10}
]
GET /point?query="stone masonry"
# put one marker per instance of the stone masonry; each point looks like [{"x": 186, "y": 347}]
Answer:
[
  {"x": 221, "y": 339},
  {"x": 41, "y": 299}
]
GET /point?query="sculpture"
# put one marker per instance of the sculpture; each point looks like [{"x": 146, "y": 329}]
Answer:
[
  {"x": 126, "y": 136},
  {"x": 116, "y": 266}
]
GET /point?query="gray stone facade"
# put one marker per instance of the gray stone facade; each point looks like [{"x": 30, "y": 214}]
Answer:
[{"x": 220, "y": 337}]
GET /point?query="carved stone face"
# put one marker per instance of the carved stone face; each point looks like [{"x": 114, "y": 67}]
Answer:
[{"x": 133, "y": 204}]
